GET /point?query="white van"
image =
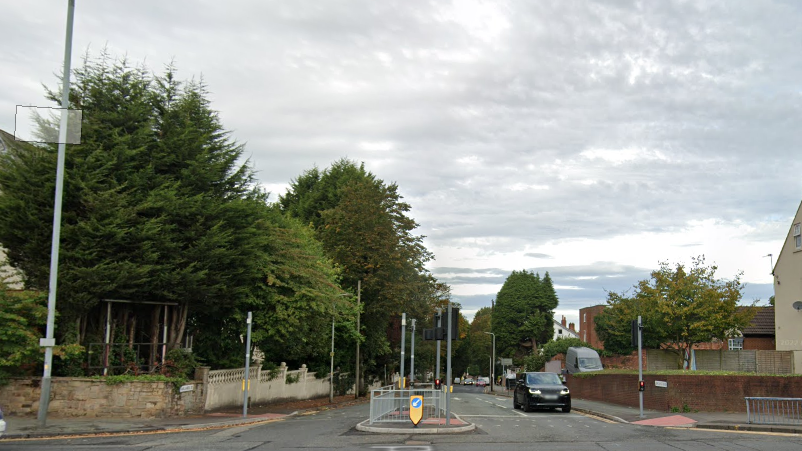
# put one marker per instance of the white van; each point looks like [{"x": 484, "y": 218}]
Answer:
[{"x": 581, "y": 360}]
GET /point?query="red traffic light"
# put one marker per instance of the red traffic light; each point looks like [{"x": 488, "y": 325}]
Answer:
[
  {"x": 641, "y": 385},
  {"x": 437, "y": 384}
]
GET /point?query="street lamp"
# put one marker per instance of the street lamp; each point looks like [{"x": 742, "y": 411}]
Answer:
[
  {"x": 331, "y": 371},
  {"x": 493, "y": 365}
]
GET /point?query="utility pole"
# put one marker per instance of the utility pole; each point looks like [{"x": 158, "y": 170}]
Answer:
[
  {"x": 493, "y": 362},
  {"x": 49, "y": 342},
  {"x": 331, "y": 370},
  {"x": 358, "y": 375},
  {"x": 403, "y": 345}
]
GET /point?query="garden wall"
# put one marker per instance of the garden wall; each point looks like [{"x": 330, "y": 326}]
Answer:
[
  {"x": 689, "y": 393},
  {"x": 93, "y": 398}
]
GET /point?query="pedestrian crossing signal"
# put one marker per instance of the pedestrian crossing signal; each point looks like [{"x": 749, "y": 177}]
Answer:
[
  {"x": 641, "y": 385},
  {"x": 437, "y": 384}
]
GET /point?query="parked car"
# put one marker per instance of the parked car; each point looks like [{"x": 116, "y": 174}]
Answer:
[
  {"x": 541, "y": 390},
  {"x": 2, "y": 423},
  {"x": 581, "y": 360},
  {"x": 457, "y": 380},
  {"x": 468, "y": 381}
]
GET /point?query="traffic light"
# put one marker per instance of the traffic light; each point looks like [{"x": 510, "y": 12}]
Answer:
[
  {"x": 641, "y": 385},
  {"x": 453, "y": 323},
  {"x": 634, "y": 330},
  {"x": 437, "y": 384}
]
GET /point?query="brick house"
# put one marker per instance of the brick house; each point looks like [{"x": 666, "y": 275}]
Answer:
[
  {"x": 759, "y": 335},
  {"x": 587, "y": 325}
]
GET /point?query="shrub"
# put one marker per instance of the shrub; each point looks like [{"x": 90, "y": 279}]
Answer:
[{"x": 70, "y": 360}]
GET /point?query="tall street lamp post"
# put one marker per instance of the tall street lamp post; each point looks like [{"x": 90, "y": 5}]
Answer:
[
  {"x": 331, "y": 370},
  {"x": 493, "y": 365}
]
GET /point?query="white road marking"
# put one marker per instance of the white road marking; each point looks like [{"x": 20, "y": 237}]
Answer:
[{"x": 488, "y": 416}]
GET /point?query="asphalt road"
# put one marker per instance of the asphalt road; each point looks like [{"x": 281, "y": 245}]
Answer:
[{"x": 499, "y": 427}]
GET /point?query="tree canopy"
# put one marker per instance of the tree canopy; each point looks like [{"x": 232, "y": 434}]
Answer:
[
  {"x": 524, "y": 313},
  {"x": 365, "y": 229},
  {"x": 681, "y": 305},
  {"x": 160, "y": 206}
]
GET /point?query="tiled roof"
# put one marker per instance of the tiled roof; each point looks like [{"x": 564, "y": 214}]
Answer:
[{"x": 762, "y": 323}]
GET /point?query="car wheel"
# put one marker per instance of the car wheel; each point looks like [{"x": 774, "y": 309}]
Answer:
[
  {"x": 526, "y": 406},
  {"x": 515, "y": 404},
  {"x": 566, "y": 409}
]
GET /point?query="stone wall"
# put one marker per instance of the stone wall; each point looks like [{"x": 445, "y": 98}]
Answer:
[{"x": 93, "y": 398}]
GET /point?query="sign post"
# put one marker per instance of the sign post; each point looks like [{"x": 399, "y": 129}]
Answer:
[{"x": 415, "y": 409}]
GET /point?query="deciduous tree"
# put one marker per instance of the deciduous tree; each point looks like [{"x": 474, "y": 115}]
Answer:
[{"x": 683, "y": 305}]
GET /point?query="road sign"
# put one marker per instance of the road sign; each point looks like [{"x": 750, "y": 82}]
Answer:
[
  {"x": 506, "y": 362},
  {"x": 415, "y": 409}
]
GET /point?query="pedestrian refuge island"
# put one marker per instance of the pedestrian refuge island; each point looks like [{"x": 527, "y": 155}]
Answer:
[{"x": 390, "y": 404}]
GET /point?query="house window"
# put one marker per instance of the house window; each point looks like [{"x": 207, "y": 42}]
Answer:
[
  {"x": 798, "y": 236},
  {"x": 559, "y": 331},
  {"x": 735, "y": 344}
]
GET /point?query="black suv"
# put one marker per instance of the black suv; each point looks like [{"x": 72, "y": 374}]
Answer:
[{"x": 541, "y": 390}]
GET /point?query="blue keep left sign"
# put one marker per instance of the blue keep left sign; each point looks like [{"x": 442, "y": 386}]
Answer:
[{"x": 415, "y": 409}]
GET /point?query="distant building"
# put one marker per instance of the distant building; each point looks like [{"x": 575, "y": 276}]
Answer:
[
  {"x": 788, "y": 292},
  {"x": 561, "y": 330},
  {"x": 587, "y": 325},
  {"x": 759, "y": 335},
  {"x": 9, "y": 274}
]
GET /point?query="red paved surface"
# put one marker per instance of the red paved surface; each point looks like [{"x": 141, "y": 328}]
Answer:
[
  {"x": 674, "y": 420},
  {"x": 454, "y": 421}
]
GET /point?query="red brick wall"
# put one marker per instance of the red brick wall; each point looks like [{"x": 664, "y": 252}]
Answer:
[
  {"x": 627, "y": 362},
  {"x": 587, "y": 325},
  {"x": 759, "y": 343},
  {"x": 702, "y": 393}
]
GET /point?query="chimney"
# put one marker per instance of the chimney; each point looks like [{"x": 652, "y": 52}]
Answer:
[
  {"x": 571, "y": 327},
  {"x": 563, "y": 321}
]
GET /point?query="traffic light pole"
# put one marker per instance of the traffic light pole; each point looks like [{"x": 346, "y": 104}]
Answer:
[
  {"x": 439, "y": 323},
  {"x": 640, "y": 363},
  {"x": 412, "y": 357},
  {"x": 448, "y": 368}
]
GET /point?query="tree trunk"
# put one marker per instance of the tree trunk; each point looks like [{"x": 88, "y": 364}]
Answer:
[
  {"x": 131, "y": 332},
  {"x": 154, "y": 336},
  {"x": 178, "y": 325}
]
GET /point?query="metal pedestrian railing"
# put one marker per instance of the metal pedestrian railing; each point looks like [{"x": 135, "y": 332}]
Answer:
[
  {"x": 392, "y": 404},
  {"x": 774, "y": 410}
]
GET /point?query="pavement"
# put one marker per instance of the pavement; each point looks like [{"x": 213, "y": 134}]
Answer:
[
  {"x": 27, "y": 427},
  {"x": 735, "y": 421}
]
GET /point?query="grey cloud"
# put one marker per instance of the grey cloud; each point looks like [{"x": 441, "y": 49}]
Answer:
[
  {"x": 713, "y": 87},
  {"x": 537, "y": 255}
]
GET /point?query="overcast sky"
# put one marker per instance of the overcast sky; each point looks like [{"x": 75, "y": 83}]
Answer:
[{"x": 588, "y": 139}]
